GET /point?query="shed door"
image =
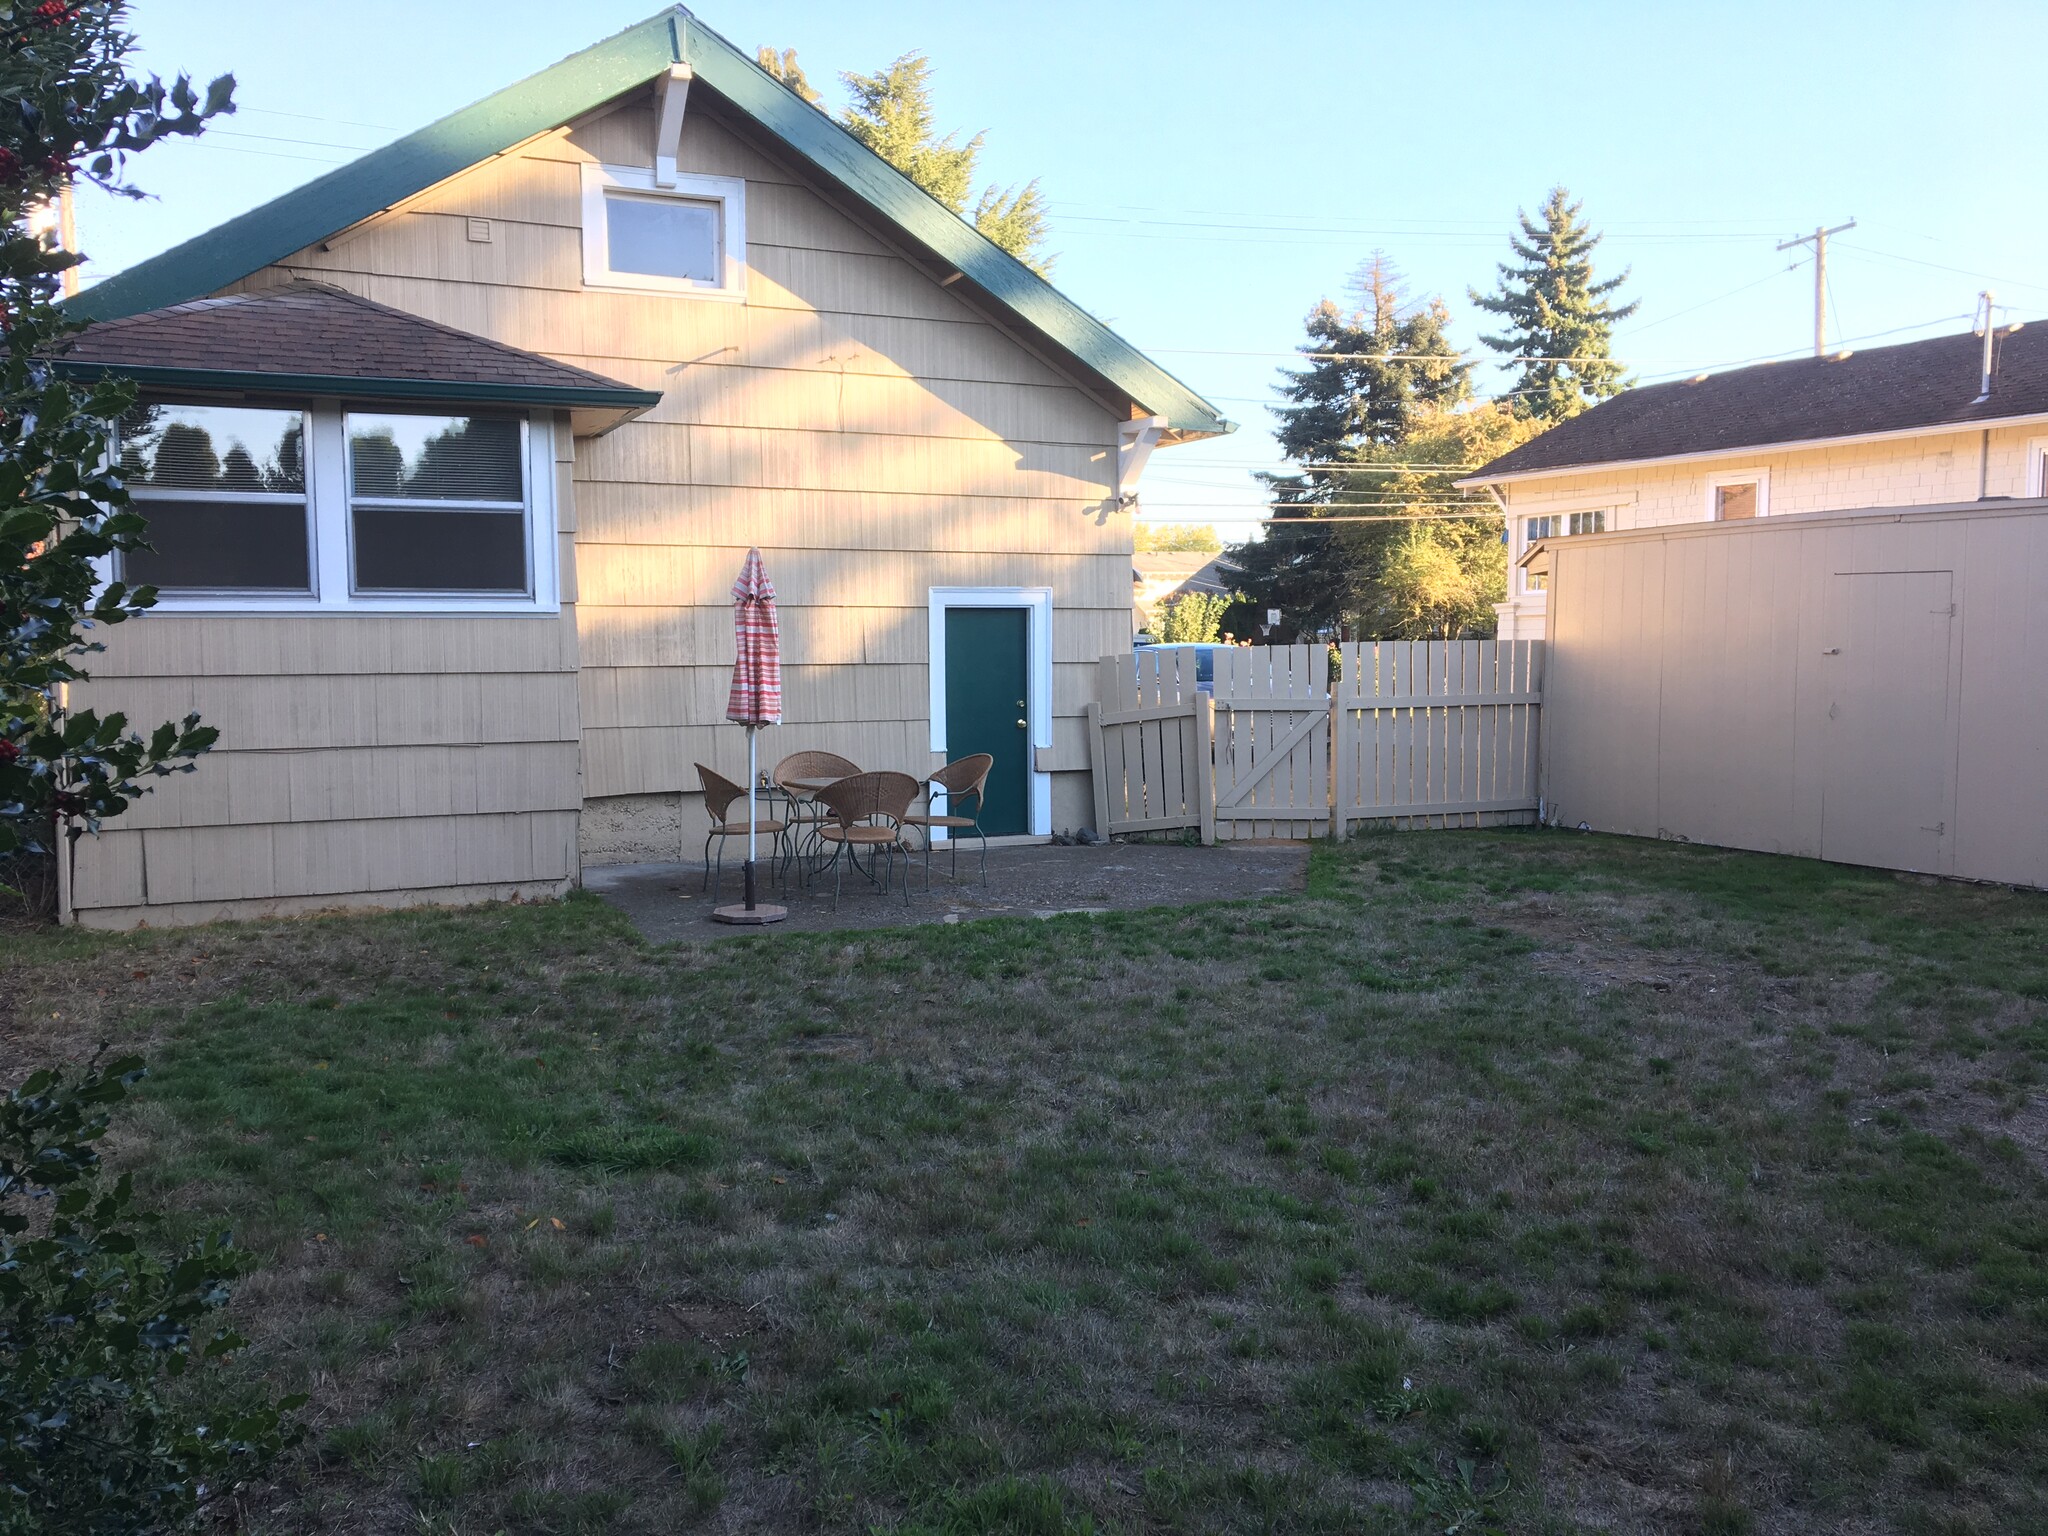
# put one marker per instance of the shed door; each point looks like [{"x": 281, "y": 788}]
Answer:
[{"x": 1886, "y": 787}]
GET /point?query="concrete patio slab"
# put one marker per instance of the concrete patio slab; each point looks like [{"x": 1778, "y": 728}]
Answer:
[{"x": 667, "y": 904}]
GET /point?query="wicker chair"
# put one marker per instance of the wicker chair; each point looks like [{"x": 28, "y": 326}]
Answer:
[
  {"x": 804, "y": 814},
  {"x": 867, "y": 811},
  {"x": 719, "y": 795},
  {"x": 964, "y": 780}
]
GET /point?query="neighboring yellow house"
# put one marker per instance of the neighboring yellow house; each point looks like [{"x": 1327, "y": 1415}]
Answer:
[
  {"x": 452, "y": 455},
  {"x": 1957, "y": 418}
]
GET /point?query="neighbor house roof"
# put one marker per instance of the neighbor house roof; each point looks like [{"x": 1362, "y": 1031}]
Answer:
[
  {"x": 575, "y": 87},
  {"x": 307, "y": 338},
  {"x": 1916, "y": 386}
]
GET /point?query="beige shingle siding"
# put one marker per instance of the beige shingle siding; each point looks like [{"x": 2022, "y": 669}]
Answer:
[{"x": 872, "y": 430}]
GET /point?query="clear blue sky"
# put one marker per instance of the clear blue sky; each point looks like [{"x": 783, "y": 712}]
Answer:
[{"x": 1214, "y": 170}]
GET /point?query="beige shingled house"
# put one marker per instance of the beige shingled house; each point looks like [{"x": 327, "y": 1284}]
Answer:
[
  {"x": 452, "y": 454},
  {"x": 1953, "y": 419}
]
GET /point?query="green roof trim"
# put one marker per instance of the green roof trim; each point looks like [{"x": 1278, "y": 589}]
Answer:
[
  {"x": 209, "y": 262},
  {"x": 353, "y": 387}
]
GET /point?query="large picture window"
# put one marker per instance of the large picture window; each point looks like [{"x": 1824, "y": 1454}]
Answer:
[
  {"x": 324, "y": 508},
  {"x": 437, "y": 503},
  {"x": 688, "y": 235},
  {"x": 224, "y": 489}
]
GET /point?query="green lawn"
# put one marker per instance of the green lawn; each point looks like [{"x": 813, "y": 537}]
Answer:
[{"x": 1514, "y": 1181}]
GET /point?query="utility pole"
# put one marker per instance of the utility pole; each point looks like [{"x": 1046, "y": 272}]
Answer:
[{"x": 1819, "y": 241}]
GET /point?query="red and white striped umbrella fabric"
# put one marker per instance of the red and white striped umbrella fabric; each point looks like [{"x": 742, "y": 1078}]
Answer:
[{"x": 756, "y": 697}]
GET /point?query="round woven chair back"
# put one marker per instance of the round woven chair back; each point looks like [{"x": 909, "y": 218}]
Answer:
[
  {"x": 813, "y": 765},
  {"x": 966, "y": 776},
  {"x": 869, "y": 796},
  {"x": 719, "y": 794}
]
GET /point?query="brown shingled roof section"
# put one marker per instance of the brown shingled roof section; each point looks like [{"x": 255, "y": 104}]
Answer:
[
  {"x": 1931, "y": 384},
  {"x": 309, "y": 328}
]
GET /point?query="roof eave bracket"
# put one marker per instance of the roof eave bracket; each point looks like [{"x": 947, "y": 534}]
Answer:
[
  {"x": 672, "y": 94},
  {"x": 1135, "y": 440}
]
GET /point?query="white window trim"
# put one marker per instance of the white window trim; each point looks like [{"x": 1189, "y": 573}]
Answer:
[
  {"x": 327, "y": 503},
  {"x": 1760, "y": 477},
  {"x": 1615, "y": 505},
  {"x": 729, "y": 192},
  {"x": 2036, "y": 481},
  {"x": 1037, "y": 603}
]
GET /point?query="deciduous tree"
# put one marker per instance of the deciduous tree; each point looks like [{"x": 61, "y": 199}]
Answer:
[
  {"x": 1177, "y": 538},
  {"x": 784, "y": 67}
]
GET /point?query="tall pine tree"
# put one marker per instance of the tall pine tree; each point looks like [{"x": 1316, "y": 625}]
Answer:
[
  {"x": 1372, "y": 374},
  {"x": 891, "y": 113},
  {"x": 1560, "y": 324}
]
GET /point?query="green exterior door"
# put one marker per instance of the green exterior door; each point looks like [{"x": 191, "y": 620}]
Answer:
[{"x": 986, "y": 693}]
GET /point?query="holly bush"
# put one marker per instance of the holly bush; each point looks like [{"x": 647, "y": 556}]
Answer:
[
  {"x": 98, "y": 1312},
  {"x": 69, "y": 112}
]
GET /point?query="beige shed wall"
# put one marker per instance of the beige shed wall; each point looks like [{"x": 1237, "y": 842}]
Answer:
[
  {"x": 873, "y": 431},
  {"x": 1918, "y": 471},
  {"x": 365, "y": 760},
  {"x": 1713, "y": 683}
]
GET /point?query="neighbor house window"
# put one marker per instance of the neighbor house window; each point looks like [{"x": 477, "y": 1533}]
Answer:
[
  {"x": 224, "y": 490},
  {"x": 688, "y": 236},
  {"x": 1556, "y": 525},
  {"x": 437, "y": 503},
  {"x": 323, "y": 508},
  {"x": 1738, "y": 497}
]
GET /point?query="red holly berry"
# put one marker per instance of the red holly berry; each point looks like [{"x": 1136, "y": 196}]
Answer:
[
  {"x": 10, "y": 164},
  {"x": 53, "y": 13},
  {"x": 8, "y": 751}
]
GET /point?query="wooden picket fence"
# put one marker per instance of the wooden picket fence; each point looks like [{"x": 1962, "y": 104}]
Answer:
[{"x": 1438, "y": 733}]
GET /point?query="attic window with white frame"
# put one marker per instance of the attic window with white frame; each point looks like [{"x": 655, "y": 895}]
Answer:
[
  {"x": 321, "y": 508},
  {"x": 1738, "y": 495},
  {"x": 686, "y": 236}
]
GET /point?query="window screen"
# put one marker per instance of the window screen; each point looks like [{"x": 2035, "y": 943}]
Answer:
[
  {"x": 437, "y": 503},
  {"x": 224, "y": 490},
  {"x": 663, "y": 237}
]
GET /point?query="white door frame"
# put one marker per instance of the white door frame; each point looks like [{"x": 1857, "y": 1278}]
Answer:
[{"x": 1037, "y": 605}]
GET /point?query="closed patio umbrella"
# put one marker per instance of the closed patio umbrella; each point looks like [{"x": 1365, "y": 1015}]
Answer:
[{"x": 755, "y": 701}]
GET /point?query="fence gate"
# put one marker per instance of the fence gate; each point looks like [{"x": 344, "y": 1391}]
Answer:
[
  {"x": 1149, "y": 733},
  {"x": 1437, "y": 733},
  {"x": 1272, "y": 741}
]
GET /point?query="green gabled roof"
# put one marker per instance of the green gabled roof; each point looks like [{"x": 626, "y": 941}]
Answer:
[{"x": 583, "y": 81}]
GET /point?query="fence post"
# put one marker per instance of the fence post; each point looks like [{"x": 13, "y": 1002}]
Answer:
[
  {"x": 1098, "y": 763},
  {"x": 1205, "y": 765},
  {"x": 1337, "y": 798}
]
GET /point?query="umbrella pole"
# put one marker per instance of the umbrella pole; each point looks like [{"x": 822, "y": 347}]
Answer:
[{"x": 752, "y": 778}]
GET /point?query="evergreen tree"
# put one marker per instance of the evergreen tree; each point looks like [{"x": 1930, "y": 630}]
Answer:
[
  {"x": 1559, "y": 321},
  {"x": 1014, "y": 218},
  {"x": 784, "y": 67},
  {"x": 891, "y": 113},
  {"x": 1371, "y": 375}
]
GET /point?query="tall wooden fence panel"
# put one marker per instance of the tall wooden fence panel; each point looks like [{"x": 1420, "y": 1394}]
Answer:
[
  {"x": 1149, "y": 741},
  {"x": 1272, "y": 740},
  {"x": 1438, "y": 733},
  {"x": 1423, "y": 734}
]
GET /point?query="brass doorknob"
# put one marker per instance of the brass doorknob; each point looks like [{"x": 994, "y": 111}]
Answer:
[{"x": 1023, "y": 725}]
